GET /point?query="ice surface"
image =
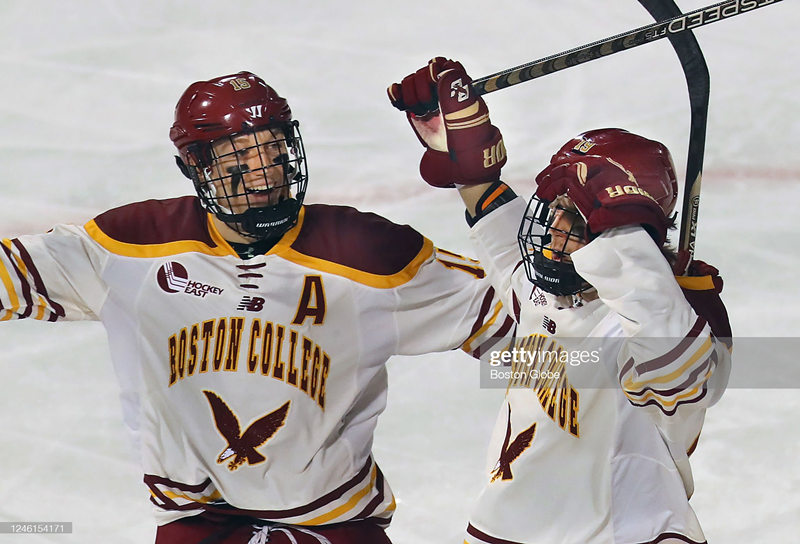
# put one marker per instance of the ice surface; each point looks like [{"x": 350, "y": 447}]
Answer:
[{"x": 86, "y": 99}]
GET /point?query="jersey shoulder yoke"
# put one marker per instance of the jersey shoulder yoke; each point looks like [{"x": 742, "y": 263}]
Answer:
[
  {"x": 155, "y": 228},
  {"x": 362, "y": 245}
]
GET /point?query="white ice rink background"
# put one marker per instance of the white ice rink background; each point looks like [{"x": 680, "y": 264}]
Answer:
[{"x": 87, "y": 90}]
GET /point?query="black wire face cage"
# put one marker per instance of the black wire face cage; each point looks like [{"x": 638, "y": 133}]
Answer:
[
  {"x": 547, "y": 266},
  {"x": 254, "y": 181}
]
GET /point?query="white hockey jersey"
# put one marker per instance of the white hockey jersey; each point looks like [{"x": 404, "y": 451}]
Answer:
[
  {"x": 253, "y": 386},
  {"x": 604, "y": 398}
]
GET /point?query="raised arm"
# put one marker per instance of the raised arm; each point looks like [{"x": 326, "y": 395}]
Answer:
[{"x": 463, "y": 149}]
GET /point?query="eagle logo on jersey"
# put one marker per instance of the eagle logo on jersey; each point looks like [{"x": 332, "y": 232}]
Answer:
[
  {"x": 242, "y": 446},
  {"x": 510, "y": 453}
]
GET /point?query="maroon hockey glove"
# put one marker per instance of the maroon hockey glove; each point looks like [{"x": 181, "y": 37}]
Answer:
[
  {"x": 606, "y": 195},
  {"x": 701, "y": 285},
  {"x": 462, "y": 146}
]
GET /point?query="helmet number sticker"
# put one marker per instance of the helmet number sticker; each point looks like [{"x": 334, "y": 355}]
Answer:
[
  {"x": 583, "y": 147},
  {"x": 239, "y": 83}
]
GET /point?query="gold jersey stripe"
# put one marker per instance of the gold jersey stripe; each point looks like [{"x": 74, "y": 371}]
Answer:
[
  {"x": 467, "y": 346},
  {"x": 5, "y": 276},
  {"x": 166, "y": 249},
  {"x": 391, "y": 508},
  {"x": 661, "y": 400},
  {"x": 17, "y": 259},
  {"x": 42, "y": 307},
  {"x": 204, "y": 500},
  {"x": 631, "y": 385},
  {"x": 695, "y": 283},
  {"x": 346, "y": 507},
  {"x": 380, "y": 281}
]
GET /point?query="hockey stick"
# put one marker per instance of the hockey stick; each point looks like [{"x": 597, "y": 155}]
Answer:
[
  {"x": 614, "y": 44},
  {"x": 698, "y": 83}
]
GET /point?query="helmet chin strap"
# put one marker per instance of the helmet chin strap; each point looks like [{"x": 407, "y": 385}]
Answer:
[
  {"x": 262, "y": 223},
  {"x": 557, "y": 277}
]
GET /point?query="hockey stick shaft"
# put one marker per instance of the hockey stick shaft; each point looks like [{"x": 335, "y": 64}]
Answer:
[
  {"x": 699, "y": 86},
  {"x": 614, "y": 44}
]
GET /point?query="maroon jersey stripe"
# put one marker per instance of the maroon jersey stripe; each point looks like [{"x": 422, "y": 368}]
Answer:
[
  {"x": 501, "y": 333},
  {"x": 24, "y": 310},
  {"x": 687, "y": 384},
  {"x": 486, "y": 306},
  {"x": 486, "y": 538},
  {"x": 169, "y": 504},
  {"x": 377, "y": 500},
  {"x": 664, "y": 536},
  {"x": 674, "y": 353},
  {"x": 58, "y": 310},
  {"x": 671, "y": 411}
]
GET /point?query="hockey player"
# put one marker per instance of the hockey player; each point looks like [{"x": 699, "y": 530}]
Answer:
[
  {"x": 250, "y": 332},
  {"x": 612, "y": 368}
]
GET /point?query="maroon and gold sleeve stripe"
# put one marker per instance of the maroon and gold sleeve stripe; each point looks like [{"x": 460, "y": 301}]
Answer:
[
  {"x": 491, "y": 325},
  {"x": 25, "y": 292},
  {"x": 675, "y": 378}
]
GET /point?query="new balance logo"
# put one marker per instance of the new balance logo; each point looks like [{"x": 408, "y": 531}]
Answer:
[
  {"x": 251, "y": 304},
  {"x": 549, "y": 325}
]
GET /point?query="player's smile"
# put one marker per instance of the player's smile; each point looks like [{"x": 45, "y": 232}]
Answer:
[{"x": 254, "y": 169}]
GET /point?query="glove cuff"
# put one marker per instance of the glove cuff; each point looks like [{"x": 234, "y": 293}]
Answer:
[{"x": 495, "y": 196}]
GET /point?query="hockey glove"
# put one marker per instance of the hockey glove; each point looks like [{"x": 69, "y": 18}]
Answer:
[
  {"x": 452, "y": 122},
  {"x": 701, "y": 285},
  {"x": 606, "y": 195}
]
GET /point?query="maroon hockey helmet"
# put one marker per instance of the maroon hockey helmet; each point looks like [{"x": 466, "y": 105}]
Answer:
[
  {"x": 219, "y": 110},
  {"x": 223, "y": 106},
  {"x": 550, "y": 267},
  {"x": 649, "y": 161}
]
